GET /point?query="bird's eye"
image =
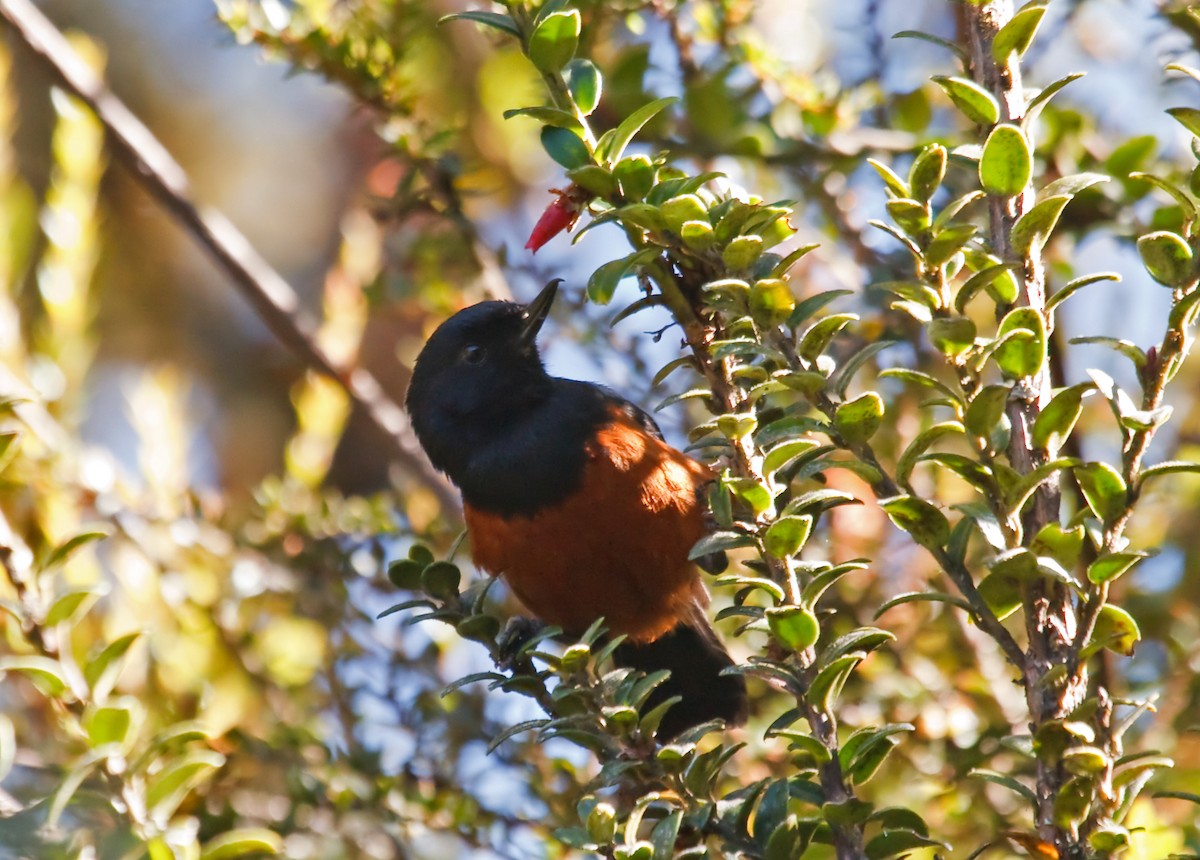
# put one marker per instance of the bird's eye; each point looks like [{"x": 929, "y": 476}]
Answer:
[{"x": 473, "y": 353}]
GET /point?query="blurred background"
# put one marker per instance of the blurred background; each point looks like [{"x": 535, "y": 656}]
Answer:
[{"x": 252, "y": 508}]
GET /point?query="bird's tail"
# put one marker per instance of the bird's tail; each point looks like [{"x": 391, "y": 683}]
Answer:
[{"x": 695, "y": 657}]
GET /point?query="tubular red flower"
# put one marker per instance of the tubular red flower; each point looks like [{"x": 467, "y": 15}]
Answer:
[{"x": 560, "y": 215}]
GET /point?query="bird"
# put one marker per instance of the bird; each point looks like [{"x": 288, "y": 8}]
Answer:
[{"x": 572, "y": 496}]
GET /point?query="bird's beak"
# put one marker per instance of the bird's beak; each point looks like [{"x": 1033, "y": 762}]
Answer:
[{"x": 537, "y": 311}]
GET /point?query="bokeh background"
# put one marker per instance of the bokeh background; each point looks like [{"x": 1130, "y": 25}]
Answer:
[{"x": 252, "y": 508}]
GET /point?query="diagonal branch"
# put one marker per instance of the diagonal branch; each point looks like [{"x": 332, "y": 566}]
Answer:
[{"x": 272, "y": 298}]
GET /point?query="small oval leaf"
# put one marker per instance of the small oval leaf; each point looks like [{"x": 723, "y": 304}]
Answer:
[{"x": 1006, "y": 163}]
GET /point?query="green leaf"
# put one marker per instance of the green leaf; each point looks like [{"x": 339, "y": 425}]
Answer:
[
  {"x": 1021, "y": 348},
  {"x": 952, "y": 335},
  {"x": 771, "y": 301},
  {"x": 1109, "y": 567},
  {"x": 969, "y": 469},
  {"x": 637, "y": 306},
  {"x": 441, "y": 579},
  {"x": 896, "y": 186},
  {"x": 1170, "y": 467},
  {"x": 925, "y": 523},
  {"x": 74, "y": 779},
  {"x": 787, "y": 535},
  {"x": 1008, "y": 782},
  {"x": 406, "y": 573},
  {"x": 1042, "y": 98},
  {"x": 839, "y": 382},
  {"x": 1187, "y": 117},
  {"x": 812, "y": 304},
  {"x": 513, "y": 731},
  {"x": 242, "y": 842},
  {"x": 685, "y": 207},
  {"x": 479, "y": 628},
  {"x": 796, "y": 627},
  {"x": 643, "y": 215},
  {"x": 976, "y": 103},
  {"x": 1116, "y": 630},
  {"x": 865, "y": 750},
  {"x": 740, "y": 254},
  {"x": 1019, "y": 492},
  {"x": 1017, "y": 34},
  {"x": 503, "y": 23},
  {"x": 956, "y": 207},
  {"x": 585, "y": 84},
  {"x": 547, "y": 116},
  {"x": 603, "y": 282},
  {"x": 168, "y": 789},
  {"x": 110, "y": 724},
  {"x": 857, "y": 420},
  {"x": 1072, "y": 184},
  {"x": 892, "y": 843},
  {"x": 786, "y": 263},
  {"x": 1186, "y": 204},
  {"x": 924, "y": 440},
  {"x": 664, "y": 834},
  {"x": 554, "y": 40},
  {"x": 719, "y": 542},
  {"x": 1006, "y": 163},
  {"x": 828, "y": 683},
  {"x": 1167, "y": 257},
  {"x": 986, "y": 410},
  {"x": 1063, "y": 545},
  {"x": 474, "y": 678},
  {"x": 565, "y": 147},
  {"x": 46, "y": 674},
  {"x": 935, "y": 40},
  {"x": 924, "y": 597},
  {"x": 911, "y": 216},
  {"x": 1074, "y": 286},
  {"x": 918, "y": 377},
  {"x": 1033, "y": 229},
  {"x": 66, "y": 549},
  {"x": 1057, "y": 419},
  {"x": 9, "y": 445},
  {"x": 817, "y": 338},
  {"x": 8, "y": 746},
  {"x": 697, "y": 235},
  {"x": 997, "y": 279},
  {"x": 927, "y": 171},
  {"x": 1127, "y": 348},
  {"x": 824, "y": 580},
  {"x": 1002, "y": 593},
  {"x": 785, "y": 453},
  {"x": 70, "y": 605},
  {"x": 948, "y": 241},
  {"x": 614, "y": 147},
  {"x": 1104, "y": 490},
  {"x": 635, "y": 177},
  {"x": 1179, "y": 795}
]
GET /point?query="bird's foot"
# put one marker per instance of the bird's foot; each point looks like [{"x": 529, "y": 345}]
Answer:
[{"x": 515, "y": 636}]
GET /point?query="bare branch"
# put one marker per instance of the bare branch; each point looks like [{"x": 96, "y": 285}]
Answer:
[{"x": 272, "y": 298}]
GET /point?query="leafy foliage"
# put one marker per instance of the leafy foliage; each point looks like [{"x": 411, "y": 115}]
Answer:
[{"x": 923, "y": 450}]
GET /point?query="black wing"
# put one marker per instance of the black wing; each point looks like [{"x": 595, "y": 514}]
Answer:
[{"x": 637, "y": 413}]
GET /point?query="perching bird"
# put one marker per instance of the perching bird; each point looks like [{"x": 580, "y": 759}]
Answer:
[{"x": 572, "y": 496}]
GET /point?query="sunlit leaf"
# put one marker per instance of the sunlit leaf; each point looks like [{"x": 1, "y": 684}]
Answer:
[
  {"x": 242, "y": 842},
  {"x": 976, "y": 103},
  {"x": 1007, "y": 161}
]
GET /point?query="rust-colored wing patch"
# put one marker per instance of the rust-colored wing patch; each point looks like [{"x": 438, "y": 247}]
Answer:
[{"x": 617, "y": 547}]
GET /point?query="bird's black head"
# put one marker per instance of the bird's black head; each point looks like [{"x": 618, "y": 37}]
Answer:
[{"x": 479, "y": 370}]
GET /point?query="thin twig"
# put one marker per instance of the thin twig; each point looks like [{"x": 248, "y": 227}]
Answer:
[{"x": 272, "y": 298}]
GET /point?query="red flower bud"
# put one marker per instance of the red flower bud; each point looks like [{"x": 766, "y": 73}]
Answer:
[{"x": 560, "y": 215}]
